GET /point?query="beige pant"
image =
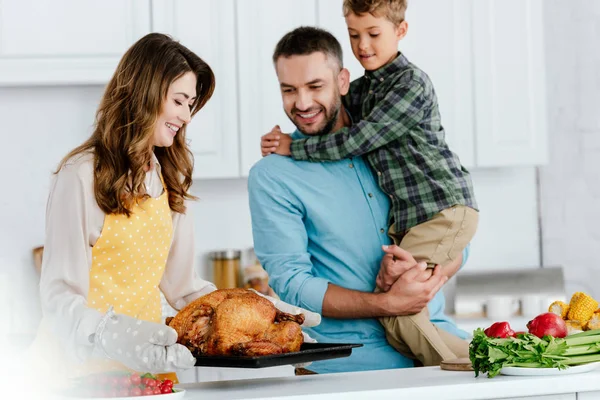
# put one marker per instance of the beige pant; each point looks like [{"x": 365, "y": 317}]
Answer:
[{"x": 439, "y": 240}]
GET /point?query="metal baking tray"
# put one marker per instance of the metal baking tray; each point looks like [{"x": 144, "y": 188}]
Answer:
[{"x": 308, "y": 352}]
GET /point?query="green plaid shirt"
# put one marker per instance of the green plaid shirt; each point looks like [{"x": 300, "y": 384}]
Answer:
[{"x": 399, "y": 131}]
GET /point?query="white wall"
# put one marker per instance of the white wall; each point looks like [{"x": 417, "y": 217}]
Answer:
[{"x": 570, "y": 184}]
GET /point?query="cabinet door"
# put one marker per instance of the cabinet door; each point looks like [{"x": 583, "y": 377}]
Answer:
[
  {"x": 67, "y": 41},
  {"x": 438, "y": 42},
  {"x": 260, "y": 25},
  {"x": 509, "y": 82},
  {"x": 207, "y": 28}
]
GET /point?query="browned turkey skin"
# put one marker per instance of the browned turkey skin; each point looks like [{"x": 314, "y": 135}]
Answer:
[{"x": 236, "y": 322}]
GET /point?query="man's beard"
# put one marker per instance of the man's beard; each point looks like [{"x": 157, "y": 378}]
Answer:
[{"x": 331, "y": 120}]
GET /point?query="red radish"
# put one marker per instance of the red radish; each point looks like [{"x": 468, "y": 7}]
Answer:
[
  {"x": 499, "y": 330},
  {"x": 548, "y": 324}
]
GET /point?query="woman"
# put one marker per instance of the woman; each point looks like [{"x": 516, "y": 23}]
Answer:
[{"x": 118, "y": 226}]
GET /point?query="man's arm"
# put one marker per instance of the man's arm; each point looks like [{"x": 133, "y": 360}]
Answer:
[
  {"x": 281, "y": 245},
  {"x": 407, "y": 296},
  {"x": 399, "y": 112}
]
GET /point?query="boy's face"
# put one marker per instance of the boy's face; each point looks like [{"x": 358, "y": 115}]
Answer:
[
  {"x": 374, "y": 39},
  {"x": 311, "y": 90}
]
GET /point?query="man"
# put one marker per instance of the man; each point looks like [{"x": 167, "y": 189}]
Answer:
[{"x": 319, "y": 228}]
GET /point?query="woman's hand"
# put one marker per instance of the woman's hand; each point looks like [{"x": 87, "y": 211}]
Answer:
[
  {"x": 141, "y": 345},
  {"x": 311, "y": 319}
]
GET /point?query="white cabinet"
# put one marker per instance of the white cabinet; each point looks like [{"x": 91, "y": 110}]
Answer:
[
  {"x": 67, "y": 41},
  {"x": 260, "y": 25},
  {"x": 490, "y": 80},
  {"x": 510, "y": 82},
  {"x": 207, "y": 27},
  {"x": 438, "y": 42},
  {"x": 588, "y": 396}
]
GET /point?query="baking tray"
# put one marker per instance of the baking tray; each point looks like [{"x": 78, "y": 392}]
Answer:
[{"x": 308, "y": 352}]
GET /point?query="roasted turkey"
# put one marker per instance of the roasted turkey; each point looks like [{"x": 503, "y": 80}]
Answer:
[{"x": 236, "y": 322}]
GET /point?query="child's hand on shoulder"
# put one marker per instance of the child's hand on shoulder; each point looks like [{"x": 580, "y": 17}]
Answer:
[{"x": 275, "y": 142}]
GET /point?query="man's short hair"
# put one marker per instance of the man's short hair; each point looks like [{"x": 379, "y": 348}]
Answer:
[
  {"x": 306, "y": 40},
  {"x": 393, "y": 10}
]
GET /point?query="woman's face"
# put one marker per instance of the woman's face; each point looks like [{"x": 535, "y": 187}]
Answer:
[{"x": 176, "y": 109}]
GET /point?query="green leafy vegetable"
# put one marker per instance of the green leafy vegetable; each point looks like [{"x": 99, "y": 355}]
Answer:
[{"x": 489, "y": 355}]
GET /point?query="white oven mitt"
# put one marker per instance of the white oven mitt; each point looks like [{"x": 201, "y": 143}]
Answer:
[
  {"x": 311, "y": 319},
  {"x": 141, "y": 345}
]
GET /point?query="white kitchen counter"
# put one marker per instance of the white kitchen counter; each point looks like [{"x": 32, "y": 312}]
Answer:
[{"x": 397, "y": 384}]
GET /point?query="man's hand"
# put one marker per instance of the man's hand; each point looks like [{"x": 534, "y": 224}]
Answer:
[
  {"x": 410, "y": 294},
  {"x": 275, "y": 142},
  {"x": 394, "y": 263}
]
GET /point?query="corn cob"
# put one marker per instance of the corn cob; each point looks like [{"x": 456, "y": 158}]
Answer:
[
  {"x": 559, "y": 308},
  {"x": 573, "y": 326},
  {"x": 594, "y": 322},
  {"x": 581, "y": 307}
]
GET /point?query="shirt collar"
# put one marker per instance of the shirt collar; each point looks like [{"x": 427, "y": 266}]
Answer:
[
  {"x": 155, "y": 163},
  {"x": 398, "y": 64}
]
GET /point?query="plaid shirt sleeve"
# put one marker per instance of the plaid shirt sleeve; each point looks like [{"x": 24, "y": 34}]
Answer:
[{"x": 397, "y": 113}]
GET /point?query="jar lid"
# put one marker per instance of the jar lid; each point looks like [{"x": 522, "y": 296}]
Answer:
[{"x": 228, "y": 254}]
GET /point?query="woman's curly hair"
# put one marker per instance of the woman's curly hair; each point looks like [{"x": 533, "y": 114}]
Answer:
[{"x": 122, "y": 141}]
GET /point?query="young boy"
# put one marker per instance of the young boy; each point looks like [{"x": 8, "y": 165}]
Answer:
[{"x": 398, "y": 129}]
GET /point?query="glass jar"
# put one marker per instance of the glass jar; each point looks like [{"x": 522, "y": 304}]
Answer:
[{"x": 226, "y": 268}]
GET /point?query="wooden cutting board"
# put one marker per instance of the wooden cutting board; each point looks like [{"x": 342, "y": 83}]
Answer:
[{"x": 457, "y": 364}]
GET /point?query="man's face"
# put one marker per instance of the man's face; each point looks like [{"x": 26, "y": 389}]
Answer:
[{"x": 311, "y": 90}]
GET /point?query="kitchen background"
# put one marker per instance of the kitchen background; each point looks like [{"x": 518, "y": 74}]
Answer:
[{"x": 528, "y": 127}]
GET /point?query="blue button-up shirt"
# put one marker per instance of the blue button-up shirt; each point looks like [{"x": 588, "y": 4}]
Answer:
[{"x": 316, "y": 223}]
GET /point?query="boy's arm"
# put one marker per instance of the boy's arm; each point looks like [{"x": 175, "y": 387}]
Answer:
[{"x": 400, "y": 111}]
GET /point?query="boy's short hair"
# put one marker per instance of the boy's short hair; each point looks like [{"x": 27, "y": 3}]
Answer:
[
  {"x": 393, "y": 10},
  {"x": 307, "y": 40}
]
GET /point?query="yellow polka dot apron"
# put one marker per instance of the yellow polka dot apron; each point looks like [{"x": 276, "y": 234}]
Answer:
[{"x": 128, "y": 262}]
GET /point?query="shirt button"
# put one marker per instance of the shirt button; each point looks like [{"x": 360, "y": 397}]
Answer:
[
  {"x": 370, "y": 92},
  {"x": 378, "y": 173},
  {"x": 370, "y": 194},
  {"x": 391, "y": 197},
  {"x": 382, "y": 230},
  {"x": 351, "y": 165},
  {"x": 380, "y": 79}
]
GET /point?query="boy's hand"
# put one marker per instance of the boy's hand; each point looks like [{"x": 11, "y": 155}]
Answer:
[
  {"x": 275, "y": 142},
  {"x": 409, "y": 294},
  {"x": 396, "y": 262}
]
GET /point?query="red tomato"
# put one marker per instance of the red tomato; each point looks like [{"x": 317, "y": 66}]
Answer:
[
  {"x": 164, "y": 389},
  {"x": 114, "y": 381},
  {"x": 148, "y": 391},
  {"x": 151, "y": 383},
  {"x": 135, "y": 391},
  {"x": 124, "y": 381},
  {"x": 135, "y": 379},
  {"x": 148, "y": 382},
  {"x": 168, "y": 382},
  {"x": 156, "y": 390}
]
